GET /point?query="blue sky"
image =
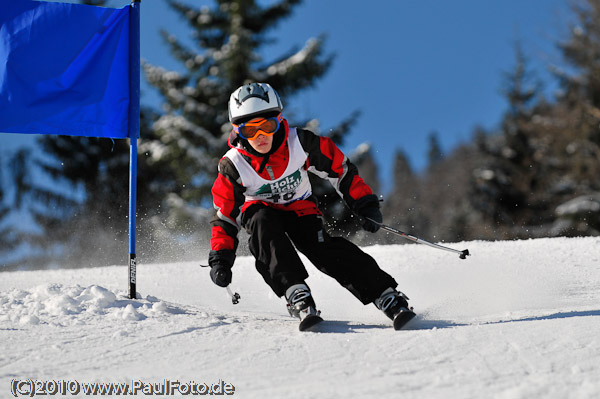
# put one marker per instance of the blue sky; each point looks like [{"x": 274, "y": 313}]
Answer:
[{"x": 411, "y": 67}]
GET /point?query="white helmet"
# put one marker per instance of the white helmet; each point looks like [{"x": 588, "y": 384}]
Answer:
[{"x": 253, "y": 99}]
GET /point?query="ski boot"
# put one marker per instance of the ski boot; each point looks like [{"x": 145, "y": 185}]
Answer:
[
  {"x": 301, "y": 304},
  {"x": 394, "y": 304}
]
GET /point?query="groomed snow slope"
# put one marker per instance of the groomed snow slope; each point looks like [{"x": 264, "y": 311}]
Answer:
[{"x": 518, "y": 319}]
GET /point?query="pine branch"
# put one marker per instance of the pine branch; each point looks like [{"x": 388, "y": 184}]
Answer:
[
  {"x": 271, "y": 16},
  {"x": 300, "y": 70}
]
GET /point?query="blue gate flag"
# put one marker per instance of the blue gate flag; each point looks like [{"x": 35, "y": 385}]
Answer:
[{"x": 64, "y": 69}]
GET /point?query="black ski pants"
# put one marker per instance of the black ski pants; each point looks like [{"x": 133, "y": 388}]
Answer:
[{"x": 273, "y": 235}]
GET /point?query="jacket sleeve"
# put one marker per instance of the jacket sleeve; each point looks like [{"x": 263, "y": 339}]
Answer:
[
  {"x": 228, "y": 199},
  {"x": 327, "y": 161}
]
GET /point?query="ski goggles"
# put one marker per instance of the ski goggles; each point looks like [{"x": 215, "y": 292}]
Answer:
[{"x": 252, "y": 129}]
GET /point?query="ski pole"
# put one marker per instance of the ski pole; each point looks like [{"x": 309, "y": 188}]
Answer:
[{"x": 462, "y": 254}]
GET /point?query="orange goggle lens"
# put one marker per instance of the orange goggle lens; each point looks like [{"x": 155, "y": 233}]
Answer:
[{"x": 251, "y": 130}]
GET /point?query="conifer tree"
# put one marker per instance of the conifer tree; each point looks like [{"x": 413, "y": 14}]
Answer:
[
  {"x": 13, "y": 174},
  {"x": 575, "y": 120},
  {"x": 7, "y": 239},
  {"x": 435, "y": 153},
  {"x": 581, "y": 84},
  {"x": 506, "y": 183},
  {"x": 581, "y": 51},
  {"x": 402, "y": 208}
]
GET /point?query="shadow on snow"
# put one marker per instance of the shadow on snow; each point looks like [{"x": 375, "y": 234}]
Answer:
[{"x": 424, "y": 324}]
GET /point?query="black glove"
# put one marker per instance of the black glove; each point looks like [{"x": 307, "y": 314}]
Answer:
[
  {"x": 221, "y": 275},
  {"x": 221, "y": 263},
  {"x": 368, "y": 208}
]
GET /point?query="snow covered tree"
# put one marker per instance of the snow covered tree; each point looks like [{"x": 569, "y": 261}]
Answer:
[
  {"x": 13, "y": 174},
  {"x": 191, "y": 134},
  {"x": 576, "y": 118},
  {"x": 7, "y": 237},
  {"x": 581, "y": 51},
  {"x": 505, "y": 184},
  {"x": 580, "y": 81}
]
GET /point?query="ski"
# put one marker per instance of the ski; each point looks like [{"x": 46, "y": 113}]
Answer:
[
  {"x": 310, "y": 321},
  {"x": 404, "y": 316}
]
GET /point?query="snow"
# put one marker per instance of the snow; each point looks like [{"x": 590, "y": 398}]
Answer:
[
  {"x": 517, "y": 319},
  {"x": 584, "y": 204}
]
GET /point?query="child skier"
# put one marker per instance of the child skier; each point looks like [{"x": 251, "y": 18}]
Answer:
[{"x": 263, "y": 186}]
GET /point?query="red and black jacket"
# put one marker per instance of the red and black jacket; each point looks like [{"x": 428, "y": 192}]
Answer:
[{"x": 324, "y": 159}]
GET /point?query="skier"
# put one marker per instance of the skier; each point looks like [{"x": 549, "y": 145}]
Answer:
[{"x": 263, "y": 186}]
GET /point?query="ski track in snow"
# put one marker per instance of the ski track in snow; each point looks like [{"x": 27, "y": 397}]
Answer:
[{"x": 517, "y": 319}]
